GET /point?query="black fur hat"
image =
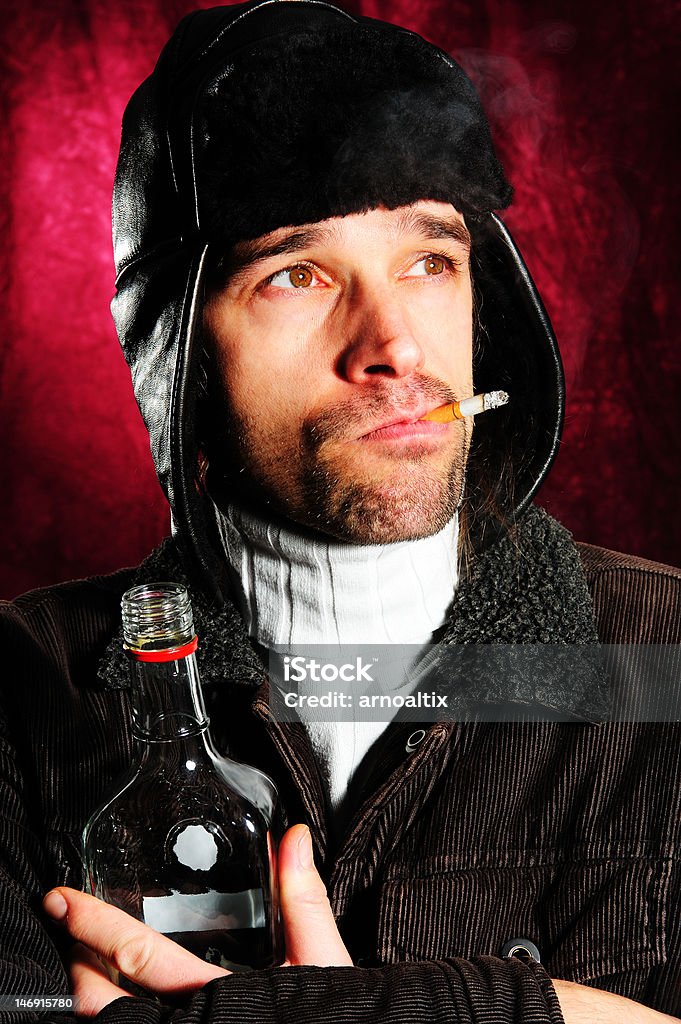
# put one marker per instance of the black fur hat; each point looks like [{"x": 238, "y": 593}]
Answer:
[
  {"x": 316, "y": 124},
  {"x": 284, "y": 112}
]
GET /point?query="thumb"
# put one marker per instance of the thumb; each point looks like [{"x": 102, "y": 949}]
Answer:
[{"x": 309, "y": 928}]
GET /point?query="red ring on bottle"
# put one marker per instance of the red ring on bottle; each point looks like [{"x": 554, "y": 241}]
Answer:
[{"x": 170, "y": 654}]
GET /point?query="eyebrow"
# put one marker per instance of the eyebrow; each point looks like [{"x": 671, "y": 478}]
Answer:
[
  {"x": 414, "y": 222},
  {"x": 248, "y": 254}
]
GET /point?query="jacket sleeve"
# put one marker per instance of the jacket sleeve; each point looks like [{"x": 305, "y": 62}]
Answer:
[
  {"x": 29, "y": 962},
  {"x": 484, "y": 989}
]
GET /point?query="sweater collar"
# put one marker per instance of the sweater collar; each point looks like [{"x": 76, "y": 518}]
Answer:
[
  {"x": 525, "y": 589},
  {"x": 299, "y": 587}
]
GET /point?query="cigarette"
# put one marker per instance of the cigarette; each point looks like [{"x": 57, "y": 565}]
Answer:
[{"x": 467, "y": 407}]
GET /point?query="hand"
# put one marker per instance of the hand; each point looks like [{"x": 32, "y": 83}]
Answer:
[
  {"x": 160, "y": 966},
  {"x": 581, "y": 1004}
]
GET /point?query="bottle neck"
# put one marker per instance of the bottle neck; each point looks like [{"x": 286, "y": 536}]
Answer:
[{"x": 167, "y": 704}]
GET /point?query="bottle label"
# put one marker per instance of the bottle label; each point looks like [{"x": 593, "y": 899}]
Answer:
[{"x": 206, "y": 911}]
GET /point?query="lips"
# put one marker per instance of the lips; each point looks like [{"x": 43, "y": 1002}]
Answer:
[
  {"x": 377, "y": 412},
  {"x": 398, "y": 418},
  {"x": 404, "y": 426}
]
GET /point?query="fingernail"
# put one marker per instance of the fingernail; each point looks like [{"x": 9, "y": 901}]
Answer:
[
  {"x": 305, "y": 855},
  {"x": 54, "y": 904}
]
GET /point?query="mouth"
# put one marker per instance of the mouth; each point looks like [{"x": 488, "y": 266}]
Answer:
[{"x": 405, "y": 425}]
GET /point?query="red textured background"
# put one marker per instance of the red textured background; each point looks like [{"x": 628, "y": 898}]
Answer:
[{"x": 581, "y": 97}]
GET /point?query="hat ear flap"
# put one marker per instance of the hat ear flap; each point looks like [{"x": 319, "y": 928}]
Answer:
[{"x": 516, "y": 351}]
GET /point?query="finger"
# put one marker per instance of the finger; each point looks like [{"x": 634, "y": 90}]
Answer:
[
  {"x": 137, "y": 951},
  {"x": 90, "y": 983},
  {"x": 310, "y": 931}
]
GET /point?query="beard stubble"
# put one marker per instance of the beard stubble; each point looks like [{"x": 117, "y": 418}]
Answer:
[{"x": 313, "y": 485}]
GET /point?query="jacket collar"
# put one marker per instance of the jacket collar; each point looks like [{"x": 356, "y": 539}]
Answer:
[
  {"x": 527, "y": 596},
  {"x": 224, "y": 652},
  {"x": 527, "y": 589}
]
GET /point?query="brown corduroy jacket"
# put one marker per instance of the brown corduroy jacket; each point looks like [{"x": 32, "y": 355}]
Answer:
[{"x": 566, "y": 834}]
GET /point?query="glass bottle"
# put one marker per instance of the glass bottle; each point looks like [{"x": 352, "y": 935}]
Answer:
[{"x": 186, "y": 844}]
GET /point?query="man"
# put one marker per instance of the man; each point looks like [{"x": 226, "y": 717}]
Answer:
[{"x": 308, "y": 262}]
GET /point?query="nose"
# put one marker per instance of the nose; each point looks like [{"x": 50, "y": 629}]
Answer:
[{"x": 382, "y": 343}]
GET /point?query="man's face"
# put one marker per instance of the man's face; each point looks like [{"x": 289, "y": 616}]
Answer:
[{"x": 332, "y": 340}]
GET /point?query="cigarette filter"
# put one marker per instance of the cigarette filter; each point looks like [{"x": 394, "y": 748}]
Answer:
[{"x": 467, "y": 407}]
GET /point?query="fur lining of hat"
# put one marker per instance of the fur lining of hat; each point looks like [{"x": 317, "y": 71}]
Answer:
[{"x": 315, "y": 125}]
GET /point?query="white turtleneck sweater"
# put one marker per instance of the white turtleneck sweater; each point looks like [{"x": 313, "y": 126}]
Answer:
[{"x": 302, "y": 588}]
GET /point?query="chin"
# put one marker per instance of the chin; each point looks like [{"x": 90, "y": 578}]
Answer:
[{"x": 371, "y": 514}]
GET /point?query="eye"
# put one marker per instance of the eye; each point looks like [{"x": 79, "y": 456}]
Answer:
[
  {"x": 434, "y": 264},
  {"x": 299, "y": 276},
  {"x": 430, "y": 266}
]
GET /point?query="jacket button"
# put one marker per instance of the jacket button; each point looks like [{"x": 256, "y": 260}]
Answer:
[
  {"x": 521, "y": 949},
  {"x": 414, "y": 740}
]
